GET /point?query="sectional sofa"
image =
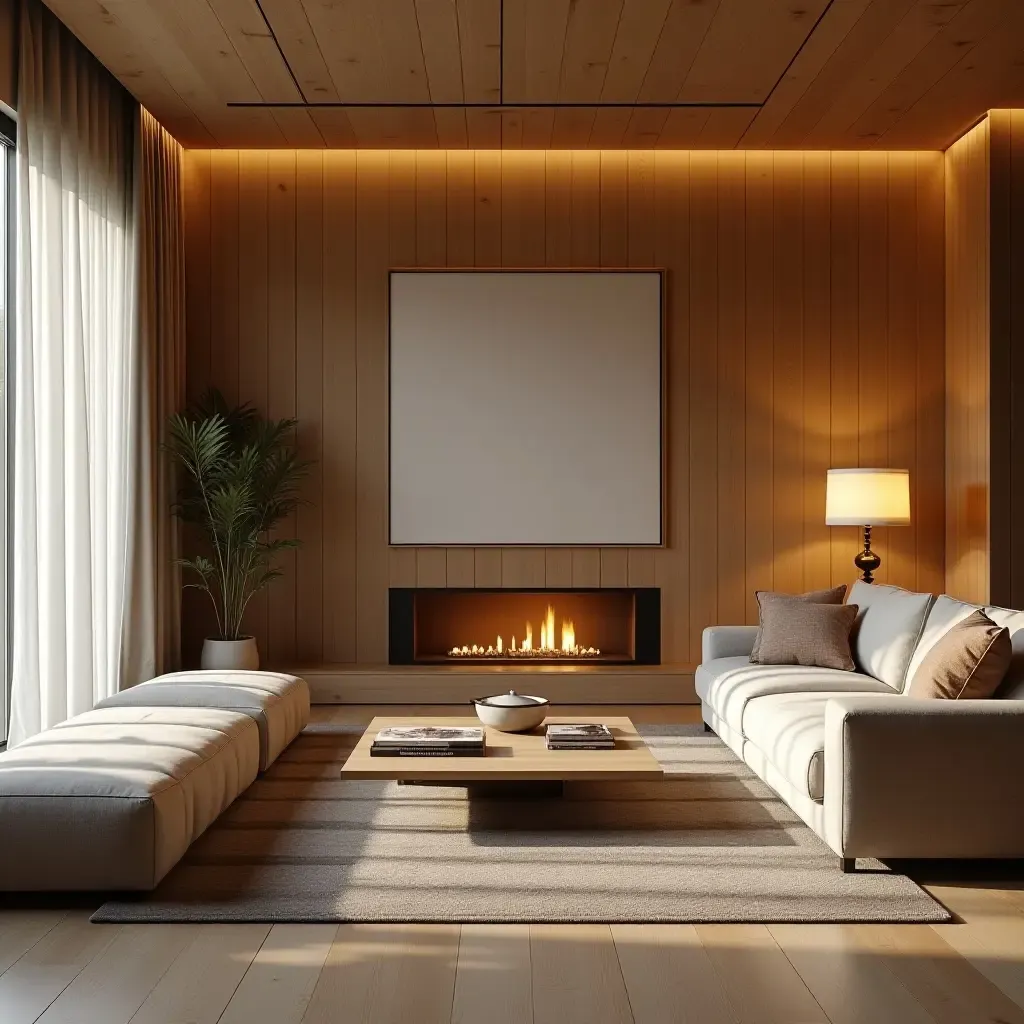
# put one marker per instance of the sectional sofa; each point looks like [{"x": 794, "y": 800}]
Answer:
[
  {"x": 873, "y": 771},
  {"x": 110, "y": 800}
]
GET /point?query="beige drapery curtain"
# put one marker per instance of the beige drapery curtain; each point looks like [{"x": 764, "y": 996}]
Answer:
[
  {"x": 97, "y": 365},
  {"x": 152, "y": 643}
]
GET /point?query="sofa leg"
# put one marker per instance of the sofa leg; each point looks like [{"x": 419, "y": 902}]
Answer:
[
  {"x": 848, "y": 865},
  {"x": 707, "y": 728}
]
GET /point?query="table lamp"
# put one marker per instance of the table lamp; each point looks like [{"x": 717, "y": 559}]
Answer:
[{"x": 866, "y": 498}]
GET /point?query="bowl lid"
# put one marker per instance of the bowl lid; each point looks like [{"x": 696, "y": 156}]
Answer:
[{"x": 511, "y": 700}]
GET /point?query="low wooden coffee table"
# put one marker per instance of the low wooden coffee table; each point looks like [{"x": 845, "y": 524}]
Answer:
[{"x": 510, "y": 757}]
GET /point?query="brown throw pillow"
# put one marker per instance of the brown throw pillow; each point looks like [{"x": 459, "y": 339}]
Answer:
[
  {"x": 836, "y": 595},
  {"x": 799, "y": 633},
  {"x": 968, "y": 663}
]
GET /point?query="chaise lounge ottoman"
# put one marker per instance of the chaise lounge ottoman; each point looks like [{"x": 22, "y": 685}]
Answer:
[
  {"x": 278, "y": 703},
  {"x": 112, "y": 799}
]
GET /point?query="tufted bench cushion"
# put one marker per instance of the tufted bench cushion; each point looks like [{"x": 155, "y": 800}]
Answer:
[
  {"x": 112, "y": 799},
  {"x": 278, "y": 703}
]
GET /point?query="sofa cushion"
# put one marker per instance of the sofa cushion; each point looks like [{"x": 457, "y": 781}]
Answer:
[
  {"x": 947, "y": 611},
  {"x": 789, "y": 729},
  {"x": 889, "y": 624},
  {"x": 834, "y": 595},
  {"x": 727, "y": 684},
  {"x": 969, "y": 662},
  {"x": 801, "y": 633},
  {"x": 278, "y": 703},
  {"x": 112, "y": 799}
]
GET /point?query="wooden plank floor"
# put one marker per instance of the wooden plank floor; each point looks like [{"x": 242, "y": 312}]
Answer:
[{"x": 56, "y": 967}]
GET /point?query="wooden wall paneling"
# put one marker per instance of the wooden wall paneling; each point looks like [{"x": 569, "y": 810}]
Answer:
[
  {"x": 460, "y": 209},
  {"x": 198, "y": 226},
  {"x": 845, "y": 404},
  {"x": 309, "y": 402},
  {"x": 703, "y": 384},
  {"x": 872, "y": 380},
  {"x": 796, "y": 261},
  {"x": 614, "y": 567},
  {"x": 731, "y": 384},
  {"x": 372, "y": 261},
  {"x": 788, "y": 357},
  {"x": 460, "y": 567},
  {"x": 760, "y": 378},
  {"x": 817, "y": 366},
  {"x": 487, "y": 567},
  {"x": 968, "y": 323},
  {"x": 901, "y": 352},
  {"x": 282, "y": 221},
  {"x": 402, "y": 239},
  {"x": 614, "y": 199},
  {"x": 253, "y": 318},
  {"x": 339, "y": 413},
  {"x": 522, "y": 245},
  {"x": 558, "y": 208},
  {"x": 224, "y": 265},
  {"x": 558, "y": 567},
  {"x": 931, "y": 375},
  {"x": 672, "y": 250},
  {"x": 487, "y": 253}
]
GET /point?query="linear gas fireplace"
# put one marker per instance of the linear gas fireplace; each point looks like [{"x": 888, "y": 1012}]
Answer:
[{"x": 611, "y": 625}]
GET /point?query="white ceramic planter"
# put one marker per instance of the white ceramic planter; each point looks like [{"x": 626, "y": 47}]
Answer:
[{"x": 239, "y": 654}]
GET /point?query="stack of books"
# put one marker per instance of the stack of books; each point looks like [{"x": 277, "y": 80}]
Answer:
[
  {"x": 580, "y": 737},
  {"x": 428, "y": 741}
]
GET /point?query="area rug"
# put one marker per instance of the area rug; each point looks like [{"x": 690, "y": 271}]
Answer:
[{"x": 711, "y": 843}]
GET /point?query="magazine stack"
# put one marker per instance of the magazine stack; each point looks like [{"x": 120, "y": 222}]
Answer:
[
  {"x": 580, "y": 737},
  {"x": 428, "y": 741}
]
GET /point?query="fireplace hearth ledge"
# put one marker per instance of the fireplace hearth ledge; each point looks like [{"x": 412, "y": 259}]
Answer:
[{"x": 561, "y": 683}]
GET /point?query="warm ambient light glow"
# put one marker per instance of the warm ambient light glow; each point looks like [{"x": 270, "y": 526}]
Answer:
[
  {"x": 867, "y": 497},
  {"x": 547, "y": 648}
]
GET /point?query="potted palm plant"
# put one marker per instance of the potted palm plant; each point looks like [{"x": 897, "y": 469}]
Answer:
[{"x": 240, "y": 479}]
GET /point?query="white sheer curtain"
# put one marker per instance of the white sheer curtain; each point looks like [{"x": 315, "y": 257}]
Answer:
[{"x": 75, "y": 376}]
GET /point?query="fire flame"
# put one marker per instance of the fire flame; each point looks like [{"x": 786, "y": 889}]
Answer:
[{"x": 547, "y": 649}]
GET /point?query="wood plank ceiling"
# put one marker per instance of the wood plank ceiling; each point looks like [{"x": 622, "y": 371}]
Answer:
[{"x": 709, "y": 74}]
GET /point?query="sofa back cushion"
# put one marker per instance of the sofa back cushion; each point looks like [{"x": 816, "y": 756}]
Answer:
[
  {"x": 1013, "y": 682},
  {"x": 947, "y": 611},
  {"x": 888, "y": 628},
  {"x": 969, "y": 662}
]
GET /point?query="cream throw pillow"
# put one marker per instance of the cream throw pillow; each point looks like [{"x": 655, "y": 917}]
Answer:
[
  {"x": 800, "y": 633},
  {"x": 968, "y": 663},
  {"x": 835, "y": 595}
]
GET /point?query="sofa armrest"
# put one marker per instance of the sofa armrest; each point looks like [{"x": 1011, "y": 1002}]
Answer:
[
  {"x": 727, "y": 642},
  {"x": 923, "y": 778}
]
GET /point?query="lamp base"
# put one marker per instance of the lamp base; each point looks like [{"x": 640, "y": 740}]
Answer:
[{"x": 867, "y": 561}]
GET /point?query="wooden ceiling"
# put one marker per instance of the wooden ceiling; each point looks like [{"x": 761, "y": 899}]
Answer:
[{"x": 540, "y": 74}]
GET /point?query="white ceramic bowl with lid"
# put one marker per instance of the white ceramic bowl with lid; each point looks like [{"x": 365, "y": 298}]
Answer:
[{"x": 511, "y": 712}]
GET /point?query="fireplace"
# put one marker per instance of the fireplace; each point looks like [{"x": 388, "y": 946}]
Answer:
[{"x": 477, "y": 626}]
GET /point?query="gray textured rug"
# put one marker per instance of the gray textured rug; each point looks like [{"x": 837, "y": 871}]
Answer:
[{"x": 711, "y": 843}]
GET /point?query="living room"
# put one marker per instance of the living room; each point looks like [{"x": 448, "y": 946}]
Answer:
[{"x": 511, "y": 511}]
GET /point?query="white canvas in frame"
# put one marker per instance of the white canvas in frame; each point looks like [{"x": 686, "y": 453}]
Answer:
[{"x": 525, "y": 408}]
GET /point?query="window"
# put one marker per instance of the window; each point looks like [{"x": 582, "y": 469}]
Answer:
[{"x": 7, "y": 264}]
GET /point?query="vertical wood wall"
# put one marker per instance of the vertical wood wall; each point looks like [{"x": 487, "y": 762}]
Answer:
[
  {"x": 805, "y": 330},
  {"x": 967, "y": 366}
]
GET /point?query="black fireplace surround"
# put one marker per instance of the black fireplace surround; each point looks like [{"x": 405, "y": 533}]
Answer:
[{"x": 425, "y": 623}]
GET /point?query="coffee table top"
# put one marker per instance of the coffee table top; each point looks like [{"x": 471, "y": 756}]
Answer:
[{"x": 511, "y": 756}]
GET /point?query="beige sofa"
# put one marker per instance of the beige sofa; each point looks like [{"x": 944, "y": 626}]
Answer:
[{"x": 874, "y": 772}]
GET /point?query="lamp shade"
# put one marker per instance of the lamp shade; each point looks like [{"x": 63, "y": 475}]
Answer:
[{"x": 867, "y": 497}]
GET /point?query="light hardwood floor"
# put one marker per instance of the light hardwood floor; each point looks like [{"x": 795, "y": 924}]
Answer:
[{"x": 56, "y": 967}]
